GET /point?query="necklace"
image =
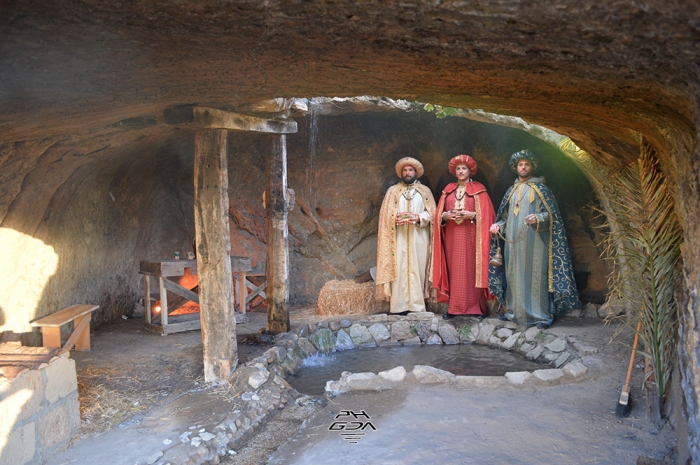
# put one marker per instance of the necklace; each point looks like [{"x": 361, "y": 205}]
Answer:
[
  {"x": 520, "y": 193},
  {"x": 411, "y": 190}
]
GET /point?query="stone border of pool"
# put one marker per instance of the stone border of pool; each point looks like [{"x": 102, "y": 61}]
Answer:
[
  {"x": 563, "y": 354},
  {"x": 261, "y": 388}
]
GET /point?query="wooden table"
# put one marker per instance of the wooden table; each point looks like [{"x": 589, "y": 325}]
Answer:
[{"x": 166, "y": 268}]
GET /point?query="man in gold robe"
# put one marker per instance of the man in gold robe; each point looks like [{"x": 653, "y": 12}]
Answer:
[{"x": 404, "y": 243}]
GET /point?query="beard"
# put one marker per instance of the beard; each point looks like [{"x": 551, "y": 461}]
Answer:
[{"x": 409, "y": 179}]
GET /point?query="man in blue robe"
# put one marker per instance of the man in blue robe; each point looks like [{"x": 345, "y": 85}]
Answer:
[{"x": 537, "y": 282}]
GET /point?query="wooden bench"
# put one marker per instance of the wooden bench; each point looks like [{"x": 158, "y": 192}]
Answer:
[{"x": 51, "y": 327}]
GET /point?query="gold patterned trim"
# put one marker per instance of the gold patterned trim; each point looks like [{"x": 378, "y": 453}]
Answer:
[
  {"x": 550, "y": 270},
  {"x": 386, "y": 239},
  {"x": 479, "y": 242}
]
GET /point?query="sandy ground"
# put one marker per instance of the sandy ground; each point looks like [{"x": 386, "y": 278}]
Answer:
[{"x": 566, "y": 424}]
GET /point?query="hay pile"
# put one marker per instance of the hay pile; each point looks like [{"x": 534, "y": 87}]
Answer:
[
  {"x": 110, "y": 396},
  {"x": 105, "y": 404},
  {"x": 349, "y": 298}
]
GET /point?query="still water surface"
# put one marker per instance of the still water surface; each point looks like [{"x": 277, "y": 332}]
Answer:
[{"x": 468, "y": 360}]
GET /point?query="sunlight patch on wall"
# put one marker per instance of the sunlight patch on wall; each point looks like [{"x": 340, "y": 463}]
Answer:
[
  {"x": 10, "y": 410},
  {"x": 28, "y": 264}
]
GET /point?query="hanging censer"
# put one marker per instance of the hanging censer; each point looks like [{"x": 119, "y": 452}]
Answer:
[{"x": 497, "y": 259}]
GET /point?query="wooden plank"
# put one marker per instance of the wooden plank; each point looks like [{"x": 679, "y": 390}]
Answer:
[
  {"x": 240, "y": 264},
  {"x": 171, "y": 267},
  {"x": 243, "y": 292},
  {"x": 82, "y": 327},
  {"x": 255, "y": 291},
  {"x": 147, "y": 296},
  {"x": 163, "y": 300},
  {"x": 277, "y": 232},
  {"x": 181, "y": 291},
  {"x": 50, "y": 336},
  {"x": 214, "y": 118},
  {"x": 213, "y": 251},
  {"x": 64, "y": 316},
  {"x": 167, "y": 267},
  {"x": 180, "y": 327},
  {"x": 80, "y": 333}
]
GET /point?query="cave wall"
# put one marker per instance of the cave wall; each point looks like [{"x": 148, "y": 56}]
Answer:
[
  {"x": 83, "y": 217},
  {"x": 98, "y": 208},
  {"x": 683, "y": 169}
]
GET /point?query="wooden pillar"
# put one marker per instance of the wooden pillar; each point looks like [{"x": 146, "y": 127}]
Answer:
[
  {"x": 213, "y": 252},
  {"x": 212, "y": 225},
  {"x": 277, "y": 237}
]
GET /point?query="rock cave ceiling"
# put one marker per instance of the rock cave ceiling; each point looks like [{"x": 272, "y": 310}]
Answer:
[{"x": 596, "y": 71}]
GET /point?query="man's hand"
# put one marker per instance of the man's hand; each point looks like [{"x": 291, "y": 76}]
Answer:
[
  {"x": 404, "y": 218},
  {"x": 531, "y": 219},
  {"x": 454, "y": 215},
  {"x": 495, "y": 229}
]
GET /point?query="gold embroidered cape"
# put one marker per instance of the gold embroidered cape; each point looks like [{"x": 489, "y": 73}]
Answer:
[{"x": 386, "y": 239}]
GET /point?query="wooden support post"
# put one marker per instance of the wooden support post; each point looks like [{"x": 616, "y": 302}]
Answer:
[
  {"x": 82, "y": 341},
  {"x": 51, "y": 337},
  {"x": 213, "y": 251},
  {"x": 242, "y": 292},
  {"x": 147, "y": 297},
  {"x": 163, "y": 301},
  {"x": 277, "y": 242},
  {"x": 212, "y": 227}
]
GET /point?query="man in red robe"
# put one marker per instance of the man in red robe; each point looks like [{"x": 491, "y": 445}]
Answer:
[{"x": 461, "y": 241}]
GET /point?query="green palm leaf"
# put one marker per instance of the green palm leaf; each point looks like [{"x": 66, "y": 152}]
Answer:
[{"x": 644, "y": 243}]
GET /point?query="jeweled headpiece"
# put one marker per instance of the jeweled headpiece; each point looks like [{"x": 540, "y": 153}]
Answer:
[
  {"x": 462, "y": 160},
  {"x": 522, "y": 155}
]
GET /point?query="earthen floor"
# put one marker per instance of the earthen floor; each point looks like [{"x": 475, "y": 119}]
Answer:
[{"x": 572, "y": 423}]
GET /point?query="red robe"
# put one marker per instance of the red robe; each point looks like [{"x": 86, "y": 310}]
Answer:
[{"x": 461, "y": 251}]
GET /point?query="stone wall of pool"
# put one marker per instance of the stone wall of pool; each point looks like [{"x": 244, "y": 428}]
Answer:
[{"x": 561, "y": 355}]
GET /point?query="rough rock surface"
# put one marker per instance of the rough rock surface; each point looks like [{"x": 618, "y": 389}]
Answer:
[{"x": 93, "y": 179}]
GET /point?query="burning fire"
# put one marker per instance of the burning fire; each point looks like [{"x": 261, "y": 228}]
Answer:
[{"x": 156, "y": 308}]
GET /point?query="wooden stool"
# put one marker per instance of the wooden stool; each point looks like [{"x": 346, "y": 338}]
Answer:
[{"x": 51, "y": 327}]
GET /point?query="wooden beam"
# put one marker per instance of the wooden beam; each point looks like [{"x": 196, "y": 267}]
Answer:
[
  {"x": 80, "y": 337},
  {"x": 163, "y": 300},
  {"x": 214, "y": 118},
  {"x": 213, "y": 251},
  {"x": 255, "y": 291},
  {"x": 147, "y": 297},
  {"x": 277, "y": 266},
  {"x": 181, "y": 291}
]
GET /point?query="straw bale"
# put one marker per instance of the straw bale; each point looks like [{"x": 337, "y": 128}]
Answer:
[{"x": 348, "y": 297}]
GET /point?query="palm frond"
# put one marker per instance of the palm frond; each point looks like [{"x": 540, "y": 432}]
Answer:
[{"x": 644, "y": 245}]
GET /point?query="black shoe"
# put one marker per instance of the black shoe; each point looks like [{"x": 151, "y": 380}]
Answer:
[
  {"x": 503, "y": 318},
  {"x": 542, "y": 326},
  {"x": 448, "y": 316}
]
